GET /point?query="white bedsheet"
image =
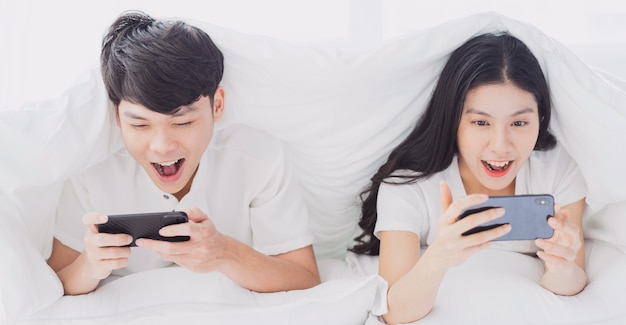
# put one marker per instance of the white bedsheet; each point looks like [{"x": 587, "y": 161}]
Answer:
[{"x": 174, "y": 294}]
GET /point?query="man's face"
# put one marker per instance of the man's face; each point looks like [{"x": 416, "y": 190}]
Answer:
[{"x": 169, "y": 147}]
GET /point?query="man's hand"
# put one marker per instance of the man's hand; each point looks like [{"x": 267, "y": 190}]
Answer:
[
  {"x": 205, "y": 245},
  {"x": 103, "y": 252},
  {"x": 209, "y": 250}
]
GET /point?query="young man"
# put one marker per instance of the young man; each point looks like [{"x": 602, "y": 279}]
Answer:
[{"x": 246, "y": 218}]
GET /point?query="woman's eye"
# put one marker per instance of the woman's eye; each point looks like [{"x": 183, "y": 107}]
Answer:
[
  {"x": 519, "y": 123},
  {"x": 481, "y": 123}
]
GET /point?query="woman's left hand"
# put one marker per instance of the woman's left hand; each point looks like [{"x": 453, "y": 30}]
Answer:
[{"x": 562, "y": 248}]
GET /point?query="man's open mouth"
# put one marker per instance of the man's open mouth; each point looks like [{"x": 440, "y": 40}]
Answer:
[{"x": 168, "y": 168}]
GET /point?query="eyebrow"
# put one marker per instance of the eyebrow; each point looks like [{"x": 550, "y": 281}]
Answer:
[
  {"x": 182, "y": 111},
  {"x": 134, "y": 116},
  {"x": 520, "y": 112}
]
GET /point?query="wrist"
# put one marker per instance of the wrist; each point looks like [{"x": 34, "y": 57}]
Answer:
[
  {"x": 431, "y": 262},
  {"x": 228, "y": 260}
]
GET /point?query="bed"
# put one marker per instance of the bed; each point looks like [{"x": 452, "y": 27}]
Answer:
[{"x": 338, "y": 111}]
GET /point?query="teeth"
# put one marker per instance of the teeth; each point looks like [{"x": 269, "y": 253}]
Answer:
[
  {"x": 169, "y": 163},
  {"x": 498, "y": 163}
]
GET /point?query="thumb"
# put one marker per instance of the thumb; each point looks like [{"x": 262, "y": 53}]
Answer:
[
  {"x": 446, "y": 196},
  {"x": 196, "y": 215}
]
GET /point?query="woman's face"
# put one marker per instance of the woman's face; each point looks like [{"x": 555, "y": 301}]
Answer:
[{"x": 497, "y": 133}]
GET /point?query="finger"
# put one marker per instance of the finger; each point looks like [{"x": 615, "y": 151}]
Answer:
[
  {"x": 98, "y": 255},
  {"x": 475, "y": 248},
  {"x": 451, "y": 215},
  {"x": 446, "y": 196},
  {"x": 180, "y": 229},
  {"x": 479, "y": 218},
  {"x": 564, "y": 228},
  {"x": 486, "y": 236},
  {"x": 557, "y": 250},
  {"x": 557, "y": 210},
  {"x": 92, "y": 219},
  {"x": 112, "y": 264},
  {"x": 550, "y": 259},
  {"x": 162, "y": 247},
  {"x": 196, "y": 215},
  {"x": 112, "y": 253},
  {"x": 111, "y": 240},
  {"x": 555, "y": 223}
]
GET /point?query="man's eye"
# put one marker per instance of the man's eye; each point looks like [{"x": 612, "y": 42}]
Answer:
[
  {"x": 138, "y": 126},
  {"x": 184, "y": 124}
]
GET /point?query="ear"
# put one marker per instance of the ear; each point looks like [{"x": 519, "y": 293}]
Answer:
[{"x": 218, "y": 104}]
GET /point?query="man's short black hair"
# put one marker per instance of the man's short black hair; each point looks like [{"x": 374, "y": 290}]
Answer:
[{"x": 159, "y": 64}]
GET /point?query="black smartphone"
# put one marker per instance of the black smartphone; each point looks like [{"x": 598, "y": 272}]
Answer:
[
  {"x": 527, "y": 214},
  {"x": 144, "y": 225}
]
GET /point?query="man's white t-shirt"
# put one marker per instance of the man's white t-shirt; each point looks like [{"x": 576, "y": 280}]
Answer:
[
  {"x": 244, "y": 184},
  {"x": 416, "y": 207}
]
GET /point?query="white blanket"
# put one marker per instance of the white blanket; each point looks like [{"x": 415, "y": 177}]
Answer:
[{"x": 339, "y": 112}]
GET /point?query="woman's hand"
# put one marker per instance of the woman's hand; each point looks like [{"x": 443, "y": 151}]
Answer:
[
  {"x": 450, "y": 246},
  {"x": 562, "y": 248},
  {"x": 564, "y": 253}
]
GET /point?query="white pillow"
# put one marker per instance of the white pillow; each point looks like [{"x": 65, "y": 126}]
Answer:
[
  {"x": 608, "y": 225},
  {"x": 502, "y": 287},
  {"x": 193, "y": 298},
  {"x": 27, "y": 284}
]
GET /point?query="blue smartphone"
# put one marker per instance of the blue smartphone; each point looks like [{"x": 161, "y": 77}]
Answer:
[
  {"x": 144, "y": 225},
  {"x": 527, "y": 214}
]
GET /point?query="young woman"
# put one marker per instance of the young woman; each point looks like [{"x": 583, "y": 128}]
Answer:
[{"x": 484, "y": 133}]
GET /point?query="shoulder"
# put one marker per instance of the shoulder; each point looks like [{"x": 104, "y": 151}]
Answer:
[
  {"x": 405, "y": 181},
  {"x": 245, "y": 142},
  {"x": 245, "y": 151},
  {"x": 555, "y": 172},
  {"x": 555, "y": 160}
]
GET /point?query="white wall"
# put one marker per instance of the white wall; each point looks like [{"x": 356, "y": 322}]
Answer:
[{"x": 46, "y": 45}]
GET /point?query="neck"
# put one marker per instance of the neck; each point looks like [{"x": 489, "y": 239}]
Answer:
[{"x": 180, "y": 194}]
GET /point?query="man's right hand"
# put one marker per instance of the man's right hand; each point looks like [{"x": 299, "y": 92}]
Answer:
[{"x": 103, "y": 252}]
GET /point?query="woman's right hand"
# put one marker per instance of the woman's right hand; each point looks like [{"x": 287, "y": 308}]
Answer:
[
  {"x": 450, "y": 247},
  {"x": 103, "y": 252}
]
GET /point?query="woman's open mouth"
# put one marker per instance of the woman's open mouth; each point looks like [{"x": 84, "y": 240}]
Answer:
[{"x": 496, "y": 168}]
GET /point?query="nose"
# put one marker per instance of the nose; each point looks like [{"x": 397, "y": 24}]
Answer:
[
  {"x": 162, "y": 142},
  {"x": 500, "y": 140}
]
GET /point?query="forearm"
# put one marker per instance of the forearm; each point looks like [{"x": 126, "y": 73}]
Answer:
[
  {"x": 261, "y": 273},
  {"x": 76, "y": 279},
  {"x": 567, "y": 281},
  {"x": 412, "y": 296}
]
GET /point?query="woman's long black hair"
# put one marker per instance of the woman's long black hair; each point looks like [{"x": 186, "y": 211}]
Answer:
[{"x": 432, "y": 145}]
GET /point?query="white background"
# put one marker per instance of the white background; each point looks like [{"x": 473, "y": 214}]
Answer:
[{"x": 46, "y": 45}]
